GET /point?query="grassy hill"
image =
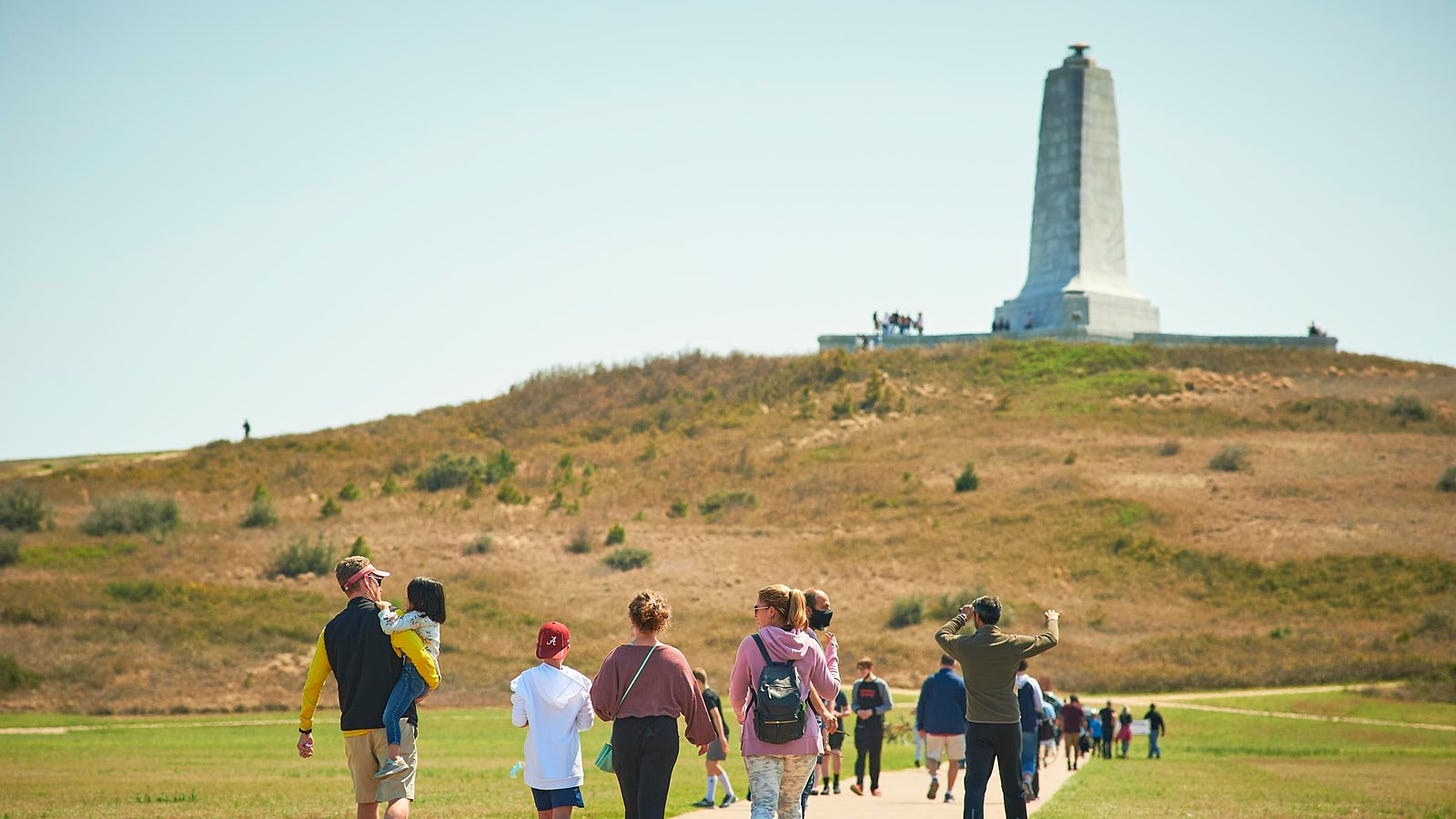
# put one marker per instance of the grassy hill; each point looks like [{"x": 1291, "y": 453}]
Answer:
[{"x": 1201, "y": 516}]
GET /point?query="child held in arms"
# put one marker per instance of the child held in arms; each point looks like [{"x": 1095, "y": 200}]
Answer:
[{"x": 423, "y": 614}]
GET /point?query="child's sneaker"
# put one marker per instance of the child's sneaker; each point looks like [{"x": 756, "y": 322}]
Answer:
[{"x": 392, "y": 766}]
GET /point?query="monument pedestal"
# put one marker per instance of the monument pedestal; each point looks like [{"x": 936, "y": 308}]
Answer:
[{"x": 1104, "y": 315}]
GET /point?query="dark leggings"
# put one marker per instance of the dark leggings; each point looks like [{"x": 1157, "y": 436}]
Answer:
[
  {"x": 988, "y": 742},
  {"x": 644, "y": 750},
  {"x": 868, "y": 740}
]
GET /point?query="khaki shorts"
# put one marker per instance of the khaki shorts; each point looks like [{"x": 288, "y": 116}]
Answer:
[
  {"x": 366, "y": 753},
  {"x": 1069, "y": 741},
  {"x": 945, "y": 746}
]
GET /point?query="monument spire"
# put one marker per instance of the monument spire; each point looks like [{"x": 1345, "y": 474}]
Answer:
[{"x": 1076, "y": 278}]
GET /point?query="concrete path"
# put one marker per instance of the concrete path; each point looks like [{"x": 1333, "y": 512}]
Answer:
[{"x": 904, "y": 797}]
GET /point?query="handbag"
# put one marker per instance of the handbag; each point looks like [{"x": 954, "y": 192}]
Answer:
[{"x": 604, "y": 756}]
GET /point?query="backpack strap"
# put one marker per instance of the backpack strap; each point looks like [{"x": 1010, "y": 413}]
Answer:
[
  {"x": 635, "y": 676},
  {"x": 761, "y": 649}
]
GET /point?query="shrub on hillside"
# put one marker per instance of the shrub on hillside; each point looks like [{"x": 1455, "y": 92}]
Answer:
[
  {"x": 906, "y": 611},
  {"x": 474, "y": 486},
  {"x": 14, "y": 677},
  {"x": 843, "y": 408},
  {"x": 451, "y": 471},
  {"x": 23, "y": 510},
  {"x": 125, "y": 514},
  {"x": 479, "y": 546},
  {"x": 350, "y": 492},
  {"x": 390, "y": 487},
  {"x": 330, "y": 509},
  {"x": 616, "y": 535},
  {"x": 627, "y": 558},
  {"x": 1409, "y": 408},
  {"x": 580, "y": 543},
  {"x": 1169, "y": 448},
  {"x": 9, "y": 550},
  {"x": 678, "y": 508},
  {"x": 1229, "y": 459},
  {"x": 967, "y": 480},
  {"x": 724, "y": 501},
  {"x": 134, "y": 591},
  {"x": 510, "y": 495},
  {"x": 1447, "y": 481},
  {"x": 948, "y": 605},
  {"x": 360, "y": 548},
  {"x": 260, "y": 512},
  {"x": 300, "y": 557}
]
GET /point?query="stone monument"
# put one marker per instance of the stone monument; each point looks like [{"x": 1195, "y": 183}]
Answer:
[{"x": 1076, "y": 280}]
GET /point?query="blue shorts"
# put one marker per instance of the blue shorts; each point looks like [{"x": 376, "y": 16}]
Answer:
[{"x": 559, "y": 798}]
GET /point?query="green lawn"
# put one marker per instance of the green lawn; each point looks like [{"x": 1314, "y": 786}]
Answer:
[{"x": 1232, "y": 765}]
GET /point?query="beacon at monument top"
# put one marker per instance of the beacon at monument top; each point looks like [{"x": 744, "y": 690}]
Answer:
[{"x": 1076, "y": 278}]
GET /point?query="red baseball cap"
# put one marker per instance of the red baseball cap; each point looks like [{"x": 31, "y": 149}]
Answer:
[
  {"x": 552, "y": 641},
  {"x": 379, "y": 574}
]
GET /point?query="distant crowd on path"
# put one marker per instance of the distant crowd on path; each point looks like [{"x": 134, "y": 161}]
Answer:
[
  {"x": 784, "y": 692},
  {"x": 1316, "y": 331},
  {"x": 898, "y": 323}
]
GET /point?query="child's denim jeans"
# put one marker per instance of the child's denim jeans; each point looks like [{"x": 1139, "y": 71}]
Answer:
[{"x": 409, "y": 686}]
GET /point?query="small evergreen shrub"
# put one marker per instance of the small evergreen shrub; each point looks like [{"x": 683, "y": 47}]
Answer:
[
  {"x": 330, "y": 509},
  {"x": 1409, "y": 408},
  {"x": 616, "y": 535},
  {"x": 260, "y": 514},
  {"x": 300, "y": 557},
  {"x": 627, "y": 558},
  {"x": 967, "y": 480},
  {"x": 126, "y": 514},
  {"x": 678, "y": 508},
  {"x": 510, "y": 495},
  {"x": 1070, "y": 459},
  {"x": 580, "y": 543},
  {"x": 1229, "y": 459},
  {"x": 452, "y": 471},
  {"x": 349, "y": 492},
  {"x": 948, "y": 605},
  {"x": 360, "y": 548},
  {"x": 390, "y": 487},
  {"x": 23, "y": 510},
  {"x": 843, "y": 408},
  {"x": 479, "y": 546},
  {"x": 14, "y": 677},
  {"x": 724, "y": 501},
  {"x": 474, "y": 486},
  {"x": 1447, "y": 481},
  {"x": 1169, "y": 448},
  {"x": 9, "y": 551},
  {"x": 907, "y": 611}
]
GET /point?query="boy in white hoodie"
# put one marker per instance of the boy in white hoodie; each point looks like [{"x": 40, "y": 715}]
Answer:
[{"x": 553, "y": 703}]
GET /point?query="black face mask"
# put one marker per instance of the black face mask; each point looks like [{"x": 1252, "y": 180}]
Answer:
[{"x": 819, "y": 620}]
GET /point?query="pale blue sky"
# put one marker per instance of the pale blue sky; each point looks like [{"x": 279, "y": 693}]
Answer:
[{"x": 314, "y": 214}]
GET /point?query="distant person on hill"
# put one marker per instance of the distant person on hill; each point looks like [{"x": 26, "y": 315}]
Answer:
[
  {"x": 990, "y": 657},
  {"x": 919, "y": 324},
  {"x": 642, "y": 688},
  {"x": 552, "y": 701},
  {"x": 1156, "y": 728},
  {"x": 1124, "y": 730},
  {"x": 247, "y": 429},
  {"x": 1107, "y": 717},
  {"x": 718, "y": 748},
  {"x": 1072, "y": 718},
  {"x": 1029, "y": 705},
  {"x": 423, "y": 614},
  {"x": 870, "y": 697},
  {"x": 365, "y": 663},
  {"x": 940, "y": 719}
]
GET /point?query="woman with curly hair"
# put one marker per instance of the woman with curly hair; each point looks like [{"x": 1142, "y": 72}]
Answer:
[{"x": 642, "y": 688}]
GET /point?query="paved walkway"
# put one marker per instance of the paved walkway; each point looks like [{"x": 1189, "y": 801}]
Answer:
[{"x": 904, "y": 797}]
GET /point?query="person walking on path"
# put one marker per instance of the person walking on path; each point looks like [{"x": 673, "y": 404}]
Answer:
[
  {"x": 366, "y": 663},
  {"x": 990, "y": 657},
  {"x": 718, "y": 748},
  {"x": 871, "y": 699},
  {"x": 826, "y": 716},
  {"x": 1028, "y": 703},
  {"x": 1107, "y": 716},
  {"x": 1156, "y": 728},
  {"x": 552, "y": 701},
  {"x": 1071, "y": 719},
  {"x": 1124, "y": 729},
  {"x": 644, "y": 724},
  {"x": 940, "y": 719},
  {"x": 779, "y": 763}
]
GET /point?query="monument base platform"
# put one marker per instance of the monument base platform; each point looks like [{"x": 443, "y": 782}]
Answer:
[
  {"x": 1099, "y": 314},
  {"x": 871, "y": 341}
]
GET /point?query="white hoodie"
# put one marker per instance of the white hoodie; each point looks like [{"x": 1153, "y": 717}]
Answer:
[{"x": 554, "y": 704}]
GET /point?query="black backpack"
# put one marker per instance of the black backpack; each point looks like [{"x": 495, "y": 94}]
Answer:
[{"x": 778, "y": 707}]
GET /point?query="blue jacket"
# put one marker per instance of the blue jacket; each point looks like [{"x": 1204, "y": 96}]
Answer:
[{"x": 942, "y": 705}]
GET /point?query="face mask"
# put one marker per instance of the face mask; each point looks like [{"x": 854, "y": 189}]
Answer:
[{"x": 820, "y": 619}]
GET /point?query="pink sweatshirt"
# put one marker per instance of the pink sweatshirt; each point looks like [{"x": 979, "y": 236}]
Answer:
[{"x": 815, "y": 670}]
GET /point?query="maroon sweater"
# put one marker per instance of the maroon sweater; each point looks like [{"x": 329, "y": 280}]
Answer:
[{"x": 665, "y": 689}]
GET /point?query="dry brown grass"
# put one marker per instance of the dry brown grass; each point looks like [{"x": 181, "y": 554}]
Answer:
[{"x": 1210, "y": 565}]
